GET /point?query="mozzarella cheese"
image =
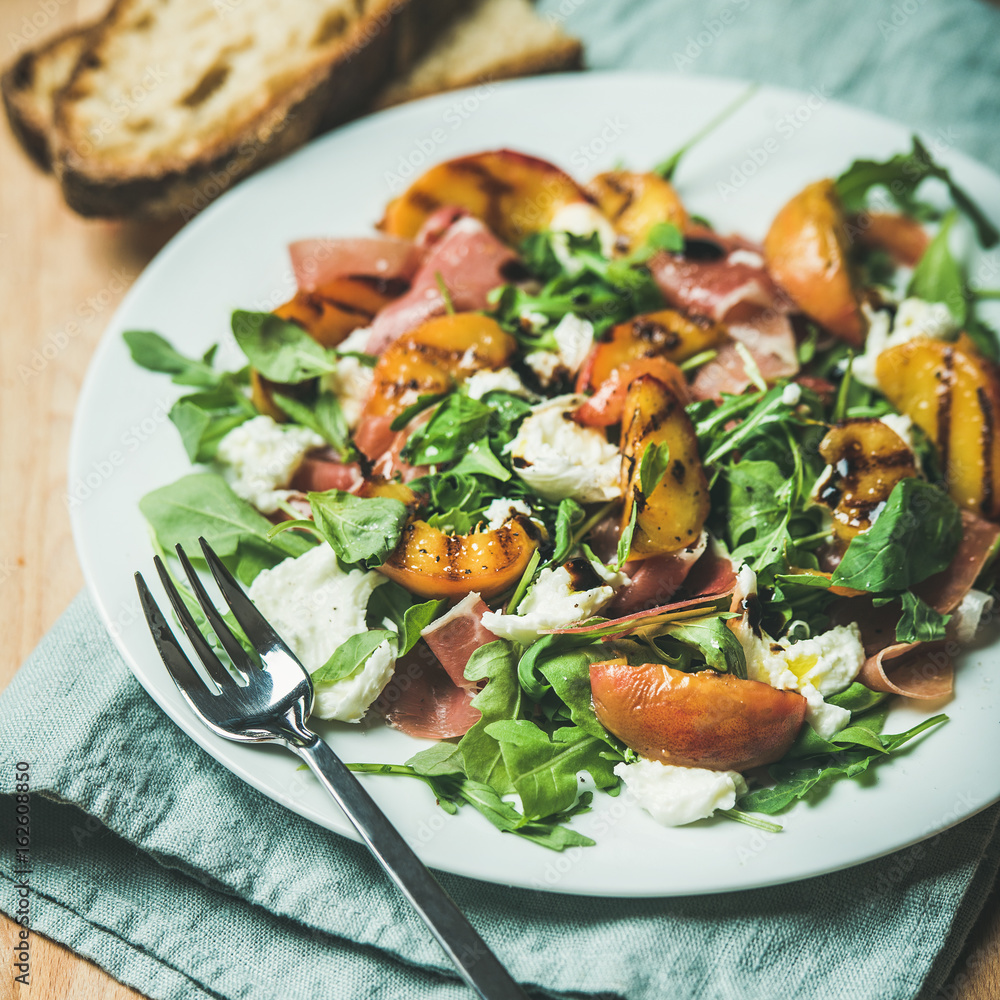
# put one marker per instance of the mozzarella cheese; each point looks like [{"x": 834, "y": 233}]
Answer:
[
  {"x": 261, "y": 456},
  {"x": 580, "y": 218},
  {"x": 791, "y": 395},
  {"x": 575, "y": 338},
  {"x": 969, "y": 614},
  {"x": 558, "y": 458},
  {"x": 674, "y": 796},
  {"x": 823, "y": 665},
  {"x": 500, "y": 511},
  {"x": 552, "y": 602},
  {"x": 545, "y": 364},
  {"x": 351, "y": 383},
  {"x": 504, "y": 379},
  {"x": 914, "y": 318},
  {"x": 315, "y": 606}
]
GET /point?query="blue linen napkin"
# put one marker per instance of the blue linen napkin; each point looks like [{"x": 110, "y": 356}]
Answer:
[
  {"x": 160, "y": 865},
  {"x": 155, "y": 861}
]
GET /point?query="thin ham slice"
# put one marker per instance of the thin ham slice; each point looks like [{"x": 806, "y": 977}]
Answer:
[
  {"x": 470, "y": 261},
  {"x": 317, "y": 474},
  {"x": 655, "y": 580},
  {"x": 318, "y": 262},
  {"x": 455, "y": 636},
  {"x": 383, "y": 446},
  {"x": 944, "y": 591},
  {"x": 914, "y": 670},
  {"x": 422, "y": 700}
]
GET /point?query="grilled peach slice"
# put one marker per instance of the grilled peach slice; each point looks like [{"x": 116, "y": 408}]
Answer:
[
  {"x": 903, "y": 238},
  {"x": 606, "y": 406},
  {"x": 636, "y": 202},
  {"x": 704, "y": 719},
  {"x": 512, "y": 193},
  {"x": 671, "y": 517},
  {"x": 806, "y": 254},
  {"x": 333, "y": 311},
  {"x": 952, "y": 393},
  {"x": 430, "y": 563},
  {"x": 866, "y": 459},
  {"x": 434, "y": 357},
  {"x": 664, "y": 334}
]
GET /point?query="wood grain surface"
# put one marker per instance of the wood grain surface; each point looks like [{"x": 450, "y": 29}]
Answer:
[{"x": 61, "y": 278}]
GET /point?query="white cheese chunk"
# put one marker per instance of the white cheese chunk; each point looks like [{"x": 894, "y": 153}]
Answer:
[
  {"x": 674, "y": 796},
  {"x": 545, "y": 364},
  {"x": 968, "y": 615},
  {"x": 580, "y": 218},
  {"x": 315, "y": 606},
  {"x": 914, "y": 318},
  {"x": 261, "y": 456},
  {"x": 503, "y": 379},
  {"x": 351, "y": 383},
  {"x": 575, "y": 338},
  {"x": 558, "y": 458},
  {"x": 553, "y": 602},
  {"x": 500, "y": 511}
]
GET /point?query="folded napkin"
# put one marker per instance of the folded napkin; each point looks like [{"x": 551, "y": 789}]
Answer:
[
  {"x": 157, "y": 863},
  {"x": 153, "y": 860}
]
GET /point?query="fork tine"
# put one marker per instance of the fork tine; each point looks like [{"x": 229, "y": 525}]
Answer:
[
  {"x": 190, "y": 685},
  {"x": 257, "y": 628},
  {"x": 206, "y": 654},
  {"x": 239, "y": 656}
]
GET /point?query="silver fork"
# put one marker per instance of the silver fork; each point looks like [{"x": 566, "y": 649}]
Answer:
[{"x": 271, "y": 706}]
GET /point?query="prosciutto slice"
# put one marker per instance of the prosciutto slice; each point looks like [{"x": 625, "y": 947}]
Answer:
[
  {"x": 470, "y": 261},
  {"x": 944, "y": 591},
  {"x": 455, "y": 636},
  {"x": 914, "y": 670},
  {"x": 383, "y": 446},
  {"x": 317, "y": 474},
  {"x": 422, "y": 700},
  {"x": 318, "y": 262},
  {"x": 655, "y": 580}
]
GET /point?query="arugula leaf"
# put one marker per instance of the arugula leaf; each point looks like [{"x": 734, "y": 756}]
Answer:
[
  {"x": 919, "y": 622},
  {"x": 499, "y": 700},
  {"x": 479, "y": 459},
  {"x": 441, "y": 758},
  {"x": 422, "y": 403},
  {"x": 915, "y": 536},
  {"x": 156, "y": 354},
  {"x": 569, "y": 675},
  {"x": 625, "y": 538},
  {"x": 280, "y": 350},
  {"x": 757, "y": 514},
  {"x": 568, "y": 516},
  {"x": 325, "y": 417},
  {"x": 544, "y": 768},
  {"x": 456, "y": 424},
  {"x": 203, "y": 419},
  {"x": 391, "y": 601},
  {"x": 938, "y": 276},
  {"x": 901, "y": 175},
  {"x": 350, "y": 656},
  {"x": 202, "y": 504},
  {"x": 363, "y": 531},
  {"x": 855, "y": 754},
  {"x": 653, "y": 467},
  {"x": 857, "y": 698},
  {"x": 716, "y": 643}
]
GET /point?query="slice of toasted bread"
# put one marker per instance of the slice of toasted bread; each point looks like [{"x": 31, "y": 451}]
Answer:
[
  {"x": 29, "y": 87},
  {"x": 493, "y": 40},
  {"x": 172, "y": 101}
]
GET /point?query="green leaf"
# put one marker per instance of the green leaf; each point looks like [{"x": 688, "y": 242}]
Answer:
[
  {"x": 422, "y": 403},
  {"x": 938, "y": 276},
  {"x": 544, "y": 769},
  {"x": 350, "y": 656},
  {"x": 203, "y": 425},
  {"x": 653, "y": 466},
  {"x": 714, "y": 640},
  {"x": 901, "y": 175},
  {"x": 280, "y": 350},
  {"x": 363, "y": 531},
  {"x": 441, "y": 758},
  {"x": 155, "y": 353},
  {"x": 500, "y": 699},
  {"x": 522, "y": 585},
  {"x": 758, "y": 514},
  {"x": 916, "y": 535},
  {"x": 569, "y": 515},
  {"x": 456, "y": 424},
  {"x": 919, "y": 622},
  {"x": 202, "y": 504},
  {"x": 569, "y": 675},
  {"x": 325, "y": 417},
  {"x": 479, "y": 459},
  {"x": 415, "y": 619},
  {"x": 857, "y": 698}
]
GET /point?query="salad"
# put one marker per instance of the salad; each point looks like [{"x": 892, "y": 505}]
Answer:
[{"x": 559, "y": 477}]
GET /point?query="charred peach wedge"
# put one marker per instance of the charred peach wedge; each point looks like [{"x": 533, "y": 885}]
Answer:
[
  {"x": 866, "y": 458},
  {"x": 512, "y": 193},
  {"x": 704, "y": 719},
  {"x": 606, "y": 406},
  {"x": 437, "y": 355},
  {"x": 952, "y": 393},
  {"x": 672, "y": 516},
  {"x": 663, "y": 334},
  {"x": 330, "y": 313},
  {"x": 431, "y": 564},
  {"x": 636, "y": 202},
  {"x": 806, "y": 254}
]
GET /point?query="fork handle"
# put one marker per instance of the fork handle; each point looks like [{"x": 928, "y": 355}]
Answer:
[{"x": 478, "y": 966}]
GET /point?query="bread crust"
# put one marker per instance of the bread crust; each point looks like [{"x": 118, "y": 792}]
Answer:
[
  {"x": 336, "y": 87},
  {"x": 31, "y": 125}
]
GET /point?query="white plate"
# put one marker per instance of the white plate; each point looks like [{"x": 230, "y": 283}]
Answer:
[{"x": 233, "y": 255}]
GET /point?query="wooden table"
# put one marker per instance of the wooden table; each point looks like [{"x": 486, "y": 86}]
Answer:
[{"x": 57, "y": 270}]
